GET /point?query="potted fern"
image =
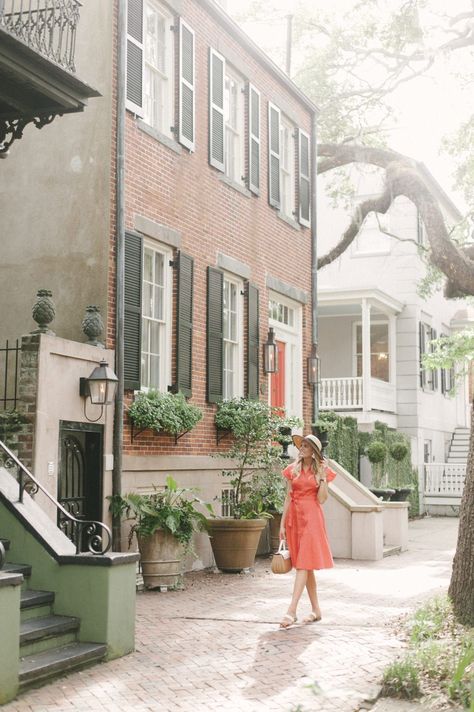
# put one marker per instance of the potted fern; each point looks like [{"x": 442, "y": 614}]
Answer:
[
  {"x": 164, "y": 523},
  {"x": 377, "y": 453}
]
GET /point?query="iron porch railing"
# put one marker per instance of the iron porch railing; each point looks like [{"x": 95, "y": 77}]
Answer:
[
  {"x": 87, "y": 535},
  {"x": 47, "y": 26}
]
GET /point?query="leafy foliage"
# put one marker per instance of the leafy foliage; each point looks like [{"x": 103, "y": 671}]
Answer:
[
  {"x": 11, "y": 422},
  {"x": 343, "y": 445},
  {"x": 256, "y": 430},
  {"x": 172, "y": 509},
  {"x": 167, "y": 412}
]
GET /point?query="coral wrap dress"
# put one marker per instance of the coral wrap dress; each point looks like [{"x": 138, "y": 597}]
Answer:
[{"x": 306, "y": 536}]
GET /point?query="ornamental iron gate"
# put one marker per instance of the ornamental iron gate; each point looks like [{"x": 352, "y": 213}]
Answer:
[{"x": 80, "y": 473}]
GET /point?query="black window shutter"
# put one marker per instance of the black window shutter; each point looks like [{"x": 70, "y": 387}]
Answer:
[
  {"x": 254, "y": 139},
  {"x": 434, "y": 335},
  {"x": 133, "y": 310},
  {"x": 304, "y": 178},
  {"x": 216, "y": 109},
  {"x": 421, "y": 334},
  {"x": 274, "y": 156},
  {"x": 253, "y": 344},
  {"x": 184, "y": 330},
  {"x": 135, "y": 56},
  {"x": 186, "y": 86},
  {"x": 215, "y": 335}
]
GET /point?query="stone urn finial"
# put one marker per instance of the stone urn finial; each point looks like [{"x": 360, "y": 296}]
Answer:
[
  {"x": 93, "y": 326},
  {"x": 43, "y": 311}
]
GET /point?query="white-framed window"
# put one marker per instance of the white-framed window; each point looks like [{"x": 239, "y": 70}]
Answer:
[
  {"x": 234, "y": 125},
  {"x": 281, "y": 312},
  {"x": 233, "y": 337},
  {"x": 287, "y": 167},
  {"x": 156, "y": 317},
  {"x": 379, "y": 350},
  {"x": 159, "y": 67}
]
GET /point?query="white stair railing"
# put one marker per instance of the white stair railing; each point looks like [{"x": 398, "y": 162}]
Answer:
[{"x": 444, "y": 479}]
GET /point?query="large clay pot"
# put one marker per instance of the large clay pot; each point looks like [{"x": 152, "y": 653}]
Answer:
[
  {"x": 234, "y": 542},
  {"x": 161, "y": 556}
]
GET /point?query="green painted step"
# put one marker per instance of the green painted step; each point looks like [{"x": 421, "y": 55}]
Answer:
[
  {"x": 40, "y": 666},
  {"x": 39, "y": 628},
  {"x": 24, "y": 569},
  {"x": 35, "y": 603}
]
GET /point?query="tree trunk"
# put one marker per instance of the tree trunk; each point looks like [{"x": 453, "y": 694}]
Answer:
[{"x": 461, "y": 588}]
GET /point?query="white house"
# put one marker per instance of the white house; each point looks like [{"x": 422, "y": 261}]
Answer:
[{"x": 374, "y": 327}]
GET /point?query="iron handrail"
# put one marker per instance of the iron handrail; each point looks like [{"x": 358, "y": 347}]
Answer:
[{"x": 83, "y": 532}]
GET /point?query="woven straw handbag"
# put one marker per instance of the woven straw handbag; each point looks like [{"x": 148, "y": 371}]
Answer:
[{"x": 281, "y": 561}]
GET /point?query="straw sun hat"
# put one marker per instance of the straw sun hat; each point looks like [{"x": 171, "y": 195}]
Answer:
[{"x": 312, "y": 439}]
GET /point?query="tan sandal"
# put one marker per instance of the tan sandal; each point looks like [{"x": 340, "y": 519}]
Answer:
[
  {"x": 312, "y": 618},
  {"x": 291, "y": 621}
]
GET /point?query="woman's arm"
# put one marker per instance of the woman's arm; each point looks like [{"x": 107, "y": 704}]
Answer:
[
  {"x": 323, "y": 491},
  {"x": 285, "y": 511}
]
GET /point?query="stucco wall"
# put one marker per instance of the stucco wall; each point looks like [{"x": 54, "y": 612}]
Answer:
[{"x": 54, "y": 196}]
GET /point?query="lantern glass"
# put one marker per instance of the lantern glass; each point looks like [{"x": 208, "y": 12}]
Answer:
[
  {"x": 313, "y": 364},
  {"x": 102, "y": 385},
  {"x": 270, "y": 353}
]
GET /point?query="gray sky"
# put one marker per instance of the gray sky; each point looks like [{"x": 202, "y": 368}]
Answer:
[{"x": 427, "y": 108}]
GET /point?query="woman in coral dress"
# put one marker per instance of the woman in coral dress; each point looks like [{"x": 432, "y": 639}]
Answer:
[{"x": 302, "y": 523}]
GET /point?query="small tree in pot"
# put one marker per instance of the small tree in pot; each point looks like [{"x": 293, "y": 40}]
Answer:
[
  {"x": 255, "y": 450},
  {"x": 377, "y": 452},
  {"x": 164, "y": 523},
  {"x": 398, "y": 451}
]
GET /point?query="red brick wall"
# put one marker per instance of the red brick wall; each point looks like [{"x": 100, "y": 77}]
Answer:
[{"x": 184, "y": 192}]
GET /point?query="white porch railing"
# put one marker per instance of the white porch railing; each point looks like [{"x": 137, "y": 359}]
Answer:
[
  {"x": 337, "y": 393},
  {"x": 444, "y": 480}
]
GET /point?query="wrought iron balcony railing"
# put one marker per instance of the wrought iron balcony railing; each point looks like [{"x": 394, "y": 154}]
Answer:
[{"x": 46, "y": 26}]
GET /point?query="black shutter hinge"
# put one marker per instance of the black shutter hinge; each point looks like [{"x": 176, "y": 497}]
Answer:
[
  {"x": 173, "y": 263},
  {"x": 173, "y": 388}
]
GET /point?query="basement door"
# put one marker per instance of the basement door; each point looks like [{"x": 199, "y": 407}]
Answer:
[{"x": 80, "y": 472}]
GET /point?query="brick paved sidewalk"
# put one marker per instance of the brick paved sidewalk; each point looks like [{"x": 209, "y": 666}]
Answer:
[{"x": 216, "y": 645}]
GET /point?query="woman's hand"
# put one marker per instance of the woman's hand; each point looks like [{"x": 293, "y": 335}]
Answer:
[{"x": 282, "y": 533}]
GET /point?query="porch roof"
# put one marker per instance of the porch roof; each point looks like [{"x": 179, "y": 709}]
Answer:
[{"x": 343, "y": 301}]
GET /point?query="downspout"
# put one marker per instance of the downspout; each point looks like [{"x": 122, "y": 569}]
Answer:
[
  {"x": 119, "y": 263},
  {"x": 314, "y": 259}
]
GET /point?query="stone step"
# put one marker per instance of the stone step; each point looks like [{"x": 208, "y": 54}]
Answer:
[
  {"x": 35, "y": 604},
  {"x": 24, "y": 569},
  {"x": 391, "y": 550},
  {"x": 41, "y": 666},
  {"x": 37, "y": 629}
]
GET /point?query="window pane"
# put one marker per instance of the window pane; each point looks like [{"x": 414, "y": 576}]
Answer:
[
  {"x": 158, "y": 311},
  {"x": 147, "y": 299},
  {"x": 148, "y": 265},
  {"x": 155, "y": 337},
  {"x": 145, "y": 366},
  {"x": 159, "y": 268},
  {"x": 154, "y": 371}
]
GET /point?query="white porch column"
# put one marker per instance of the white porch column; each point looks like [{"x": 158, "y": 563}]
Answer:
[
  {"x": 366, "y": 370},
  {"x": 392, "y": 349}
]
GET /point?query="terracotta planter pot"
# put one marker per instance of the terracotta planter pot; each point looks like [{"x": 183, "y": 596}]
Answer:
[
  {"x": 275, "y": 531},
  {"x": 234, "y": 542},
  {"x": 161, "y": 556}
]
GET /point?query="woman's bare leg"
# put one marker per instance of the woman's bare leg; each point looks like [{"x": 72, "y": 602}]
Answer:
[
  {"x": 312, "y": 590},
  {"x": 298, "y": 588}
]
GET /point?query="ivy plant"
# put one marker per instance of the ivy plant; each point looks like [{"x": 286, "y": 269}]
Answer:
[{"x": 164, "y": 412}]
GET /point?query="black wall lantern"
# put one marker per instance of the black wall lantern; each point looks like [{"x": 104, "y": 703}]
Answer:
[
  {"x": 314, "y": 364},
  {"x": 100, "y": 387},
  {"x": 270, "y": 353}
]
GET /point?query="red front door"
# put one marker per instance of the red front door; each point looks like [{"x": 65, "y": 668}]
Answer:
[{"x": 277, "y": 395}]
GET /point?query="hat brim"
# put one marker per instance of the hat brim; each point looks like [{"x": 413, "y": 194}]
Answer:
[{"x": 298, "y": 441}]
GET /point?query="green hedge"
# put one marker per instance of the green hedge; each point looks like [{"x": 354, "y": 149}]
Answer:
[
  {"x": 398, "y": 473},
  {"x": 343, "y": 443}
]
